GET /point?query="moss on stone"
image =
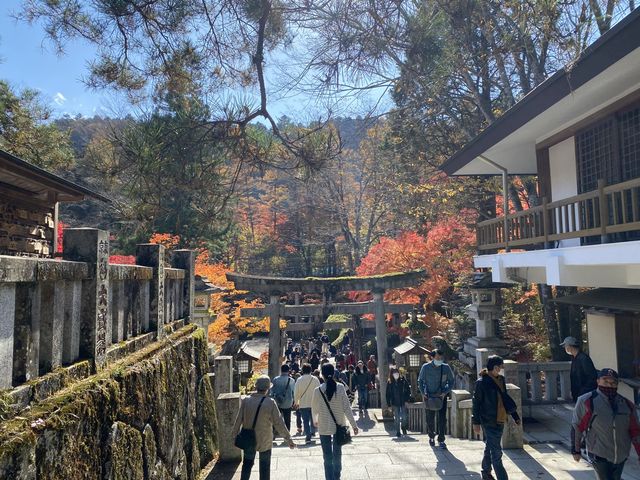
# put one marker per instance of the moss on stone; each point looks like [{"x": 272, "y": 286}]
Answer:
[{"x": 66, "y": 435}]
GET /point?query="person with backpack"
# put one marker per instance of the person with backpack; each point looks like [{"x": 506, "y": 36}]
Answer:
[
  {"x": 435, "y": 381},
  {"x": 609, "y": 426},
  {"x": 491, "y": 405},
  {"x": 331, "y": 410},
  {"x": 282, "y": 392},
  {"x": 302, "y": 396},
  {"x": 398, "y": 394},
  {"x": 260, "y": 414}
]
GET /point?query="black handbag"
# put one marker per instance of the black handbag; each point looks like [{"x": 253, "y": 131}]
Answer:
[
  {"x": 247, "y": 437},
  {"x": 343, "y": 436}
]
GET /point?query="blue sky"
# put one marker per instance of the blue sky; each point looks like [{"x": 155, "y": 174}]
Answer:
[{"x": 28, "y": 60}]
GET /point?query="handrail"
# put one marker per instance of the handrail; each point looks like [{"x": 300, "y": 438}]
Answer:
[{"x": 605, "y": 211}]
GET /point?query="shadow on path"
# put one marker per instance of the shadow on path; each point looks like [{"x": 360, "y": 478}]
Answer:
[
  {"x": 223, "y": 471},
  {"x": 365, "y": 422}
]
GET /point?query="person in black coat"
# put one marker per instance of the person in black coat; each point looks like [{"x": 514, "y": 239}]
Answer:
[
  {"x": 398, "y": 394},
  {"x": 583, "y": 372},
  {"x": 491, "y": 408}
]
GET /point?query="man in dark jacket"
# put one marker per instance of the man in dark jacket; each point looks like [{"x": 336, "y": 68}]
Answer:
[
  {"x": 583, "y": 373},
  {"x": 491, "y": 405}
]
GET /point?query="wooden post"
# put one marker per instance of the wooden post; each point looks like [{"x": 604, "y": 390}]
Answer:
[
  {"x": 546, "y": 221},
  {"x": 92, "y": 246},
  {"x": 275, "y": 349},
  {"x": 381, "y": 341},
  {"x": 604, "y": 210},
  {"x": 152, "y": 255}
]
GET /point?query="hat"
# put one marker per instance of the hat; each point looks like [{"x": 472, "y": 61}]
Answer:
[
  {"x": 571, "y": 341},
  {"x": 607, "y": 372},
  {"x": 263, "y": 383}
]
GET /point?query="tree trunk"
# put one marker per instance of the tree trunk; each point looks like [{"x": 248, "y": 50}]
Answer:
[
  {"x": 357, "y": 337},
  {"x": 551, "y": 322}
]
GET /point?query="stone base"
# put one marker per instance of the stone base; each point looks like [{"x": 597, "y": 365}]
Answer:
[
  {"x": 492, "y": 343},
  {"x": 469, "y": 360}
]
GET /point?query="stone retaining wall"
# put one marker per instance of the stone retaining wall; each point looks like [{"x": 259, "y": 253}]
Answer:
[{"x": 148, "y": 416}]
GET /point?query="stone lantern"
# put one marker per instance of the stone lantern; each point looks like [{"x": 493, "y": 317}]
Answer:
[
  {"x": 202, "y": 301},
  {"x": 244, "y": 359},
  {"x": 486, "y": 310}
]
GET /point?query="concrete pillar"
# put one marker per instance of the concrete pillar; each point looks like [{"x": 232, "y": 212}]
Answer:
[
  {"x": 227, "y": 408},
  {"x": 482, "y": 354},
  {"x": 223, "y": 368},
  {"x": 381, "y": 341},
  {"x": 512, "y": 437},
  {"x": 186, "y": 260},
  {"x": 7, "y": 319},
  {"x": 71, "y": 334},
  {"x": 275, "y": 349},
  {"x": 91, "y": 245},
  {"x": 511, "y": 372},
  {"x": 26, "y": 346},
  {"x": 152, "y": 255},
  {"x": 51, "y": 325},
  {"x": 457, "y": 419}
]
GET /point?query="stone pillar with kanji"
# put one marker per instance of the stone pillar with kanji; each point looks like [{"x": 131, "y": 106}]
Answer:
[{"x": 91, "y": 246}]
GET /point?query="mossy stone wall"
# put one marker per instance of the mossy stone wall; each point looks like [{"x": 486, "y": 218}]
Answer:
[{"x": 149, "y": 416}]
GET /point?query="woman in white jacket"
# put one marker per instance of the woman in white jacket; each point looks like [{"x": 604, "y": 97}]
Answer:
[{"x": 336, "y": 396}]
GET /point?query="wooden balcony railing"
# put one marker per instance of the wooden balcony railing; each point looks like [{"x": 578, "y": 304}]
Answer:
[{"x": 608, "y": 210}]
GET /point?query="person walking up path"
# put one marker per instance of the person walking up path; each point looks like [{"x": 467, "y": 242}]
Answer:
[
  {"x": 330, "y": 408},
  {"x": 282, "y": 392},
  {"x": 435, "y": 381},
  {"x": 361, "y": 382},
  {"x": 303, "y": 394},
  {"x": 609, "y": 425},
  {"x": 398, "y": 394},
  {"x": 262, "y": 411},
  {"x": 491, "y": 405}
]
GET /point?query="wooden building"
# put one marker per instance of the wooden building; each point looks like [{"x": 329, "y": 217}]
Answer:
[{"x": 29, "y": 198}]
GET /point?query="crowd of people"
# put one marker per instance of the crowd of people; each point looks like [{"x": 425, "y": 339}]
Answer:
[{"x": 322, "y": 385}]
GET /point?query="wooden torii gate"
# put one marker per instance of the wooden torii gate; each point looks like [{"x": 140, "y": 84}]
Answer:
[{"x": 274, "y": 287}]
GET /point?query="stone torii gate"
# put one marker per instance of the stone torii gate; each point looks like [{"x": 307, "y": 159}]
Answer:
[{"x": 274, "y": 287}]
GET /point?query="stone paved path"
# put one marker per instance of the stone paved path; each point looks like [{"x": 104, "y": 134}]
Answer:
[{"x": 375, "y": 454}]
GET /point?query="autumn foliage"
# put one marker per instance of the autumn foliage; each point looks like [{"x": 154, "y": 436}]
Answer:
[{"x": 445, "y": 251}]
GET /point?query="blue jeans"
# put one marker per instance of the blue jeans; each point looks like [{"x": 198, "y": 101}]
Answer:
[
  {"x": 248, "y": 458},
  {"x": 309, "y": 429},
  {"x": 493, "y": 451},
  {"x": 332, "y": 456},
  {"x": 400, "y": 417},
  {"x": 363, "y": 398}
]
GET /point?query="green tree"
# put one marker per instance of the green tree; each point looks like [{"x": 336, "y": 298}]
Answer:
[{"x": 27, "y": 130}]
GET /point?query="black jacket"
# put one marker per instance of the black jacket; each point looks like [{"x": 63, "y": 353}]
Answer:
[
  {"x": 485, "y": 401},
  {"x": 398, "y": 392},
  {"x": 583, "y": 375}
]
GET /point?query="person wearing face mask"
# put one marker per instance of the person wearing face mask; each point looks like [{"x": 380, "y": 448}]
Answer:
[
  {"x": 491, "y": 406},
  {"x": 435, "y": 381},
  {"x": 583, "y": 373},
  {"x": 608, "y": 423},
  {"x": 398, "y": 394}
]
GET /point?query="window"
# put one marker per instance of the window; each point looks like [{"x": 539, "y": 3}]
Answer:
[
  {"x": 243, "y": 366},
  {"x": 609, "y": 150},
  {"x": 414, "y": 360},
  {"x": 630, "y": 143}
]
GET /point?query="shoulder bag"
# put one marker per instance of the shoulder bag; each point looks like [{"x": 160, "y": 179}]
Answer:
[
  {"x": 435, "y": 403},
  {"x": 343, "y": 436},
  {"x": 247, "y": 437}
]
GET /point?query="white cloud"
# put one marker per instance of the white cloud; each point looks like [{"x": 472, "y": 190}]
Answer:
[{"x": 59, "y": 98}]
